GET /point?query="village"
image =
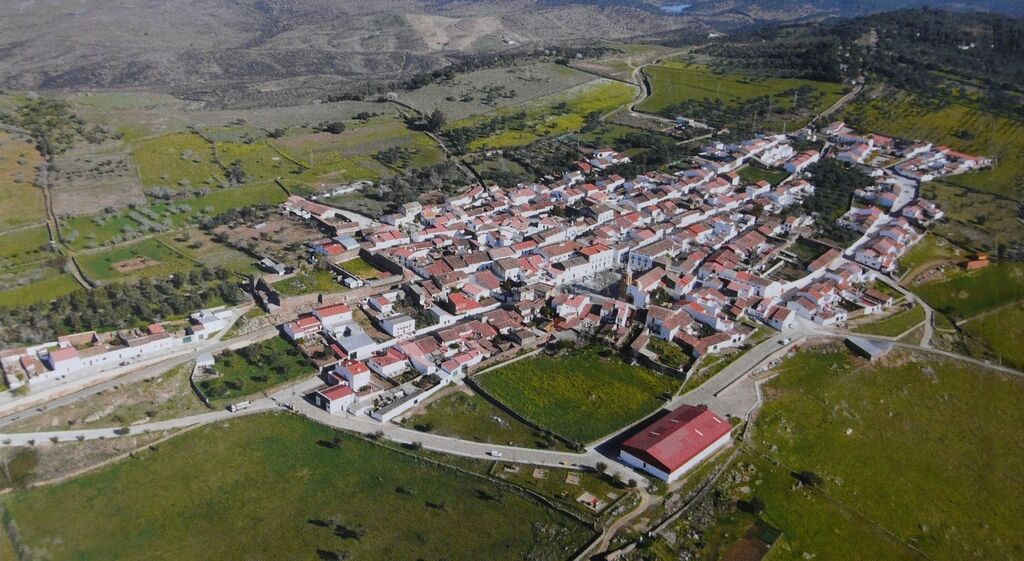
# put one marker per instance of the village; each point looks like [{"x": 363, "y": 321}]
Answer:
[{"x": 434, "y": 293}]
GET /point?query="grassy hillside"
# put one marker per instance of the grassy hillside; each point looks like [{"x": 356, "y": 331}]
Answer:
[
  {"x": 916, "y": 457},
  {"x": 267, "y": 487},
  {"x": 540, "y": 118},
  {"x": 691, "y": 90},
  {"x": 21, "y": 202},
  {"x": 964, "y": 294},
  {"x": 959, "y": 126}
]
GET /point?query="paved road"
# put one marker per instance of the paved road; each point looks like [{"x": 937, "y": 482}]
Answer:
[
  {"x": 214, "y": 346},
  {"x": 30, "y": 438},
  {"x": 929, "y": 313},
  {"x": 732, "y": 391},
  {"x": 291, "y": 398}
]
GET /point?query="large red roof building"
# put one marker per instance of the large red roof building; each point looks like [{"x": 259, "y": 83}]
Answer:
[{"x": 677, "y": 442}]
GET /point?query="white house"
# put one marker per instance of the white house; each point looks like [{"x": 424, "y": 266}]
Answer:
[
  {"x": 354, "y": 372},
  {"x": 335, "y": 399},
  {"x": 389, "y": 364},
  {"x": 399, "y": 325}
]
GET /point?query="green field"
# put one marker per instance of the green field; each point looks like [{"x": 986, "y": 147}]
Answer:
[
  {"x": 675, "y": 83},
  {"x": 24, "y": 245},
  {"x": 223, "y": 200},
  {"x": 472, "y": 417},
  {"x": 895, "y": 324},
  {"x": 256, "y": 368},
  {"x": 921, "y": 447},
  {"x": 52, "y": 284},
  {"x": 179, "y": 160},
  {"x": 580, "y": 396},
  {"x": 966, "y": 294},
  {"x": 360, "y": 268},
  {"x": 259, "y": 160},
  {"x": 325, "y": 158},
  {"x": 92, "y": 231},
  {"x": 998, "y": 335},
  {"x": 153, "y": 257},
  {"x": 21, "y": 202},
  {"x": 551, "y": 115},
  {"x": 308, "y": 281},
  {"x": 917, "y": 458},
  {"x": 753, "y": 174},
  {"x": 275, "y": 487}
]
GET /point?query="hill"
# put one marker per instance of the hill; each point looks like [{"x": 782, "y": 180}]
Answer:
[{"x": 260, "y": 52}]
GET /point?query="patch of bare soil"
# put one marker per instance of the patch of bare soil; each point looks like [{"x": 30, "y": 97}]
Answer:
[
  {"x": 440, "y": 32},
  {"x": 133, "y": 264},
  {"x": 166, "y": 397},
  {"x": 56, "y": 462},
  {"x": 90, "y": 178}
]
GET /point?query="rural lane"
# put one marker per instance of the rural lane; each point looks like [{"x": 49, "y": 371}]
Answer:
[{"x": 36, "y": 403}]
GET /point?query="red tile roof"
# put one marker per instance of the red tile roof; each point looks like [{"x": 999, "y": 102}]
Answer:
[
  {"x": 333, "y": 310},
  {"x": 337, "y": 392},
  {"x": 677, "y": 437},
  {"x": 63, "y": 354}
]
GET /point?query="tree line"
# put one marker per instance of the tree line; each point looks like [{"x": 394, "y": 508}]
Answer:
[{"x": 119, "y": 306}]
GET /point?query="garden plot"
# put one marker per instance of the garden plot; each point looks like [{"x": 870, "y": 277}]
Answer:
[
  {"x": 90, "y": 178},
  {"x": 275, "y": 237},
  {"x": 21, "y": 202},
  {"x": 178, "y": 162}
]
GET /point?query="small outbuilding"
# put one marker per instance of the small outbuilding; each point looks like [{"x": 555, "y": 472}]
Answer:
[
  {"x": 335, "y": 399},
  {"x": 868, "y": 348}
]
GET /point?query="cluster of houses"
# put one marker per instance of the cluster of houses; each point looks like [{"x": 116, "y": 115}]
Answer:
[
  {"x": 685, "y": 256},
  {"x": 918, "y": 161},
  {"x": 689, "y": 257},
  {"x": 602, "y": 159},
  {"x": 73, "y": 356}
]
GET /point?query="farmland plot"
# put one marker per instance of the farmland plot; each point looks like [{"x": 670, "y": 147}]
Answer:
[
  {"x": 21, "y": 202},
  {"x": 490, "y": 89}
]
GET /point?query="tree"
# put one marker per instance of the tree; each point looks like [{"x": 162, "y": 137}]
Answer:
[
  {"x": 436, "y": 121},
  {"x": 333, "y": 127},
  {"x": 754, "y": 506},
  {"x": 236, "y": 173}
]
